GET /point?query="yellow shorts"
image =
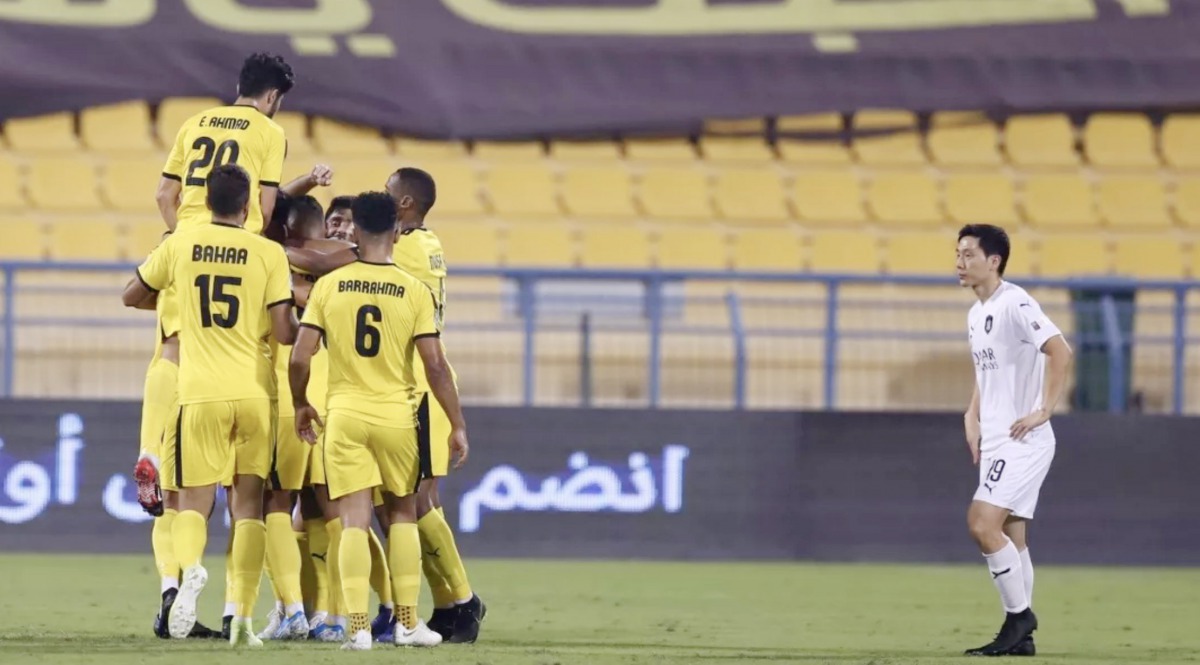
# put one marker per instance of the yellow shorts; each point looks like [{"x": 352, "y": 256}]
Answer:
[
  {"x": 210, "y": 442},
  {"x": 360, "y": 455},
  {"x": 293, "y": 456},
  {"x": 160, "y": 398},
  {"x": 316, "y": 462},
  {"x": 433, "y": 437}
]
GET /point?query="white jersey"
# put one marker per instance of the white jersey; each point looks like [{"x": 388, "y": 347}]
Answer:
[{"x": 1007, "y": 334}]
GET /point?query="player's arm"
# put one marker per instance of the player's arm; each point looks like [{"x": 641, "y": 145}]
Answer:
[
  {"x": 137, "y": 296},
  {"x": 320, "y": 176},
  {"x": 279, "y": 298},
  {"x": 299, "y": 370},
  {"x": 1037, "y": 329},
  {"x": 971, "y": 425},
  {"x": 271, "y": 173},
  {"x": 170, "y": 185},
  {"x": 441, "y": 383},
  {"x": 284, "y": 325},
  {"x": 267, "y": 196},
  {"x": 320, "y": 263},
  {"x": 152, "y": 276}
]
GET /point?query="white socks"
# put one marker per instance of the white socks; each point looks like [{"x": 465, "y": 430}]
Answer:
[
  {"x": 1009, "y": 578},
  {"x": 168, "y": 583},
  {"x": 1027, "y": 570}
]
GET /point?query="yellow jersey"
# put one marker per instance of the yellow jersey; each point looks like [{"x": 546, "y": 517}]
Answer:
[
  {"x": 225, "y": 280},
  {"x": 318, "y": 379},
  {"x": 419, "y": 252},
  {"x": 371, "y": 315},
  {"x": 235, "y": 134}
]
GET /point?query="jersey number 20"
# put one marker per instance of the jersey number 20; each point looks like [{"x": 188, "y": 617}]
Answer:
[
  {"x": 366, "y": 336},
  {"x": 212, "y": 289},
  {"x": 211, "y": 153}
]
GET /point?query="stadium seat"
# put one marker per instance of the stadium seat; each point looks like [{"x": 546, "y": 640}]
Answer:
[
  {"x": 964, "y": 140},
  {"x": 699, "y": 247},
  {"x": 659, "y": 150},
  {"x": 22, "y": 239},
  {"x": 920, "y": 253},
  {"x": 736, "y": 149},
  {"x": 750, "y": 195},
  {"x": 1149, "y": 257},
  {"x": 509, "y": 151},
  {"x": 1059, "y": 200},
  {"x": 117, "y": 128},
  {"x": 844, "y": 251},
  {"x": 43, "y": 133},
  {"x": 1133, "y": 201},
  {"x": 585, "y": 151},
  {"x": 175, "y": 111},
  {"x": 735, "y": 126},
  {"x": 540, "y": 245},
  {"x": 985, "y": 198},
  {"x": 1021, "y": 256},
  {"x": 615, "y": 247},
  {"x": 1120, "y": 140},
  {"x": 1187, "y": 202},
  {"x": 468, "y": 243},
  {"x": 907, "y": 198},
  {"x": 522, "y": 191},
  {"x": 817, "y": 139},
  {"x": 886, "y": 138},
  {"x": 774, "y": 250},
  {"x": 1180, "y": 140},
  {"x": 418, "y": 149},
  {"x": 63, "y": 183},
  {"x": 599, "y": 192},
  {"x": 333, "y": 137},
  {"x": 129, "y": 183},
  {"x": 295, "y": 130},
  {"x": 1040, "y": 141},
  {"x": 828, "y": 197},
  {"x": 84, "y": 239},
  {"x": 142, "y": 236},
  {"x": 458, "y": 189},
  {"x": 1075, "y": 255},
  {"x": 10, "y": 186},
  {"x": 353, "y": 176},
  {"x": 676, "y": 193}
]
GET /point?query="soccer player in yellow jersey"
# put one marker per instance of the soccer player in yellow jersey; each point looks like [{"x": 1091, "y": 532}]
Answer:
[
  {"x": 458, "y": 612},
  {"x": 375, "y": 318},
  {"x": 233, "y": 289}
]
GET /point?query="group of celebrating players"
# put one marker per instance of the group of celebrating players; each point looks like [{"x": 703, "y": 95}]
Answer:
[{"x": 298, "y": 363}]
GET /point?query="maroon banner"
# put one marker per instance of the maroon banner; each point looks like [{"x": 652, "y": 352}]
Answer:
[{"x": 525, "y": 68}]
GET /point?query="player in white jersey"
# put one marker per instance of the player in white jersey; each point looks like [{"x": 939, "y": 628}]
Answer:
[{"x": 1021, "y": 361}]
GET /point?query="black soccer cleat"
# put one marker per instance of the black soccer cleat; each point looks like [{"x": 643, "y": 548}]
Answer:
[
  {"x": 1025, "y": 648},
  {"x": 468, "y": 621},
  {"x": 226, "y": 627},
  {"x": 442, "y": 622},
  {"x": 202, "y": 632},
  {"x": 1016, "y": 629},
  {"x": 164, "y": 611}
]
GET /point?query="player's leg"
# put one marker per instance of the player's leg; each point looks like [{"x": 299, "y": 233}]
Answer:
[
  {"x": 159, "y": 400},
  {"x": 289, "y": 467},
  {"x": 1015, "y": 529},
  {"x": 255, "y": 429},
  {"x": 381, "y": 576}
]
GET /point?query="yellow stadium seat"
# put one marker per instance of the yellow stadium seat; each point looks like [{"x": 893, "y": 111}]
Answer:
[
  {"x": 676, "y": 193},
  {"x": 660, "y": 150},
  {"x": 1041, "y": 141},
  {"x": 457, "y": 188},
  {"x": 117, "y": 128},
  {"x": 775, "y": 250},
  {"x": 963, "y": 139},
  {"x": 886, "y": 137},
  {"x": 419, "y": 149},
  {"x": 980, "y": 198},
  {"x": 355, "y": 176},
  {"x": 1120, "y": 140},
  {"x": 1082, "y": 255},
  {"x": 1187, "y": 202},
  {"x": 44, "y": 133},
  {"x": 1059, "y": 200},
  {"x": 1133, "y": 201},
  {"x": 812, "y": 139},
  {"x": 743, "y": 126},
  {"x": 615, "y": 247},
  {"x": 750, "y": 195},
  {"x": 142, "y": 236},
  {"x": 844, "y": 251},
  {"x": 522, "y": 191},
  {"x": 540, "y": 245},
  {"x": 63, "y": 183},
  {"x": 129, "y": 183},
  {"x": 736, "y": 149},
  {"x": 509, "y": 151},
  {"x": 173, "y": 112},
  {"x": 1021, "y": 257},
  {"x": 333, "y": 137},
  {"x": 692, "y": 248},
  {"x": 599, "y": 192},
  {"x": 295, "y": 130},
  {"x": 22, "y": 239},
  {"x": 468, "y": 243},
  {"x": 585, "y": 151},
  {"x": 904, "y": 199},
  {"x": 10, "y": 186},
  {"x": 1149, "y": 257},
  {"x": 920, "y": 253},
  {"x": 1180, "y": 140},
  {"x": 84, "y": 239},
  {"x": 830, "y": 196}
]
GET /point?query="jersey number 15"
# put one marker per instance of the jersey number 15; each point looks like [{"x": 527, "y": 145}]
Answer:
[{"x": 212, "y": 289}]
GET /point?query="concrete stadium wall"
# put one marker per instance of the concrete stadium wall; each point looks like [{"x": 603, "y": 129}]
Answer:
[{"x": 677, "y": 485}]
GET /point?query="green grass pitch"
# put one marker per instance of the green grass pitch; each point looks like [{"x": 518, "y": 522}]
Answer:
[{"x": 98, "y": 609}]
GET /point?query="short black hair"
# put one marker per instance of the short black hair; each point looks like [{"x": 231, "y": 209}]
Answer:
[
  {"x": 993, "y": 240},
  {"x": 339, "y": 203},
  {"x": 228, "y": 189},
  {"x": 283, "y": 208},
  {"x": 418, "y": 184},
  {"x": 265, "y": 71},
  {"x": 374, "y": 212},
  {"x": 308, "y": 211}
]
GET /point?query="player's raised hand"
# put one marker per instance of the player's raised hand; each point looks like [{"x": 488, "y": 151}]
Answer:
[
  {"x": 459, "y": 448},
  {"x": 322, "y": 175},
  {"x": 306, "y": 416},
  {"x": 1030, "y": 422}
]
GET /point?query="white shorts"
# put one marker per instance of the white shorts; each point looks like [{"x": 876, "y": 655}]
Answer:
[{"x": 1011, "y": 476}]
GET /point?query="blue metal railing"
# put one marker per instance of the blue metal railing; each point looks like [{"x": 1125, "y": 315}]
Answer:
[{"x": 531, "y": 307}]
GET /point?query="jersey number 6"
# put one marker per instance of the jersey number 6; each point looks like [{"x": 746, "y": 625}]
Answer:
[
  {"x": 226, "y": 153},
  {"x": 366, "y": 336},
  {"x": 217, "y": 294}
]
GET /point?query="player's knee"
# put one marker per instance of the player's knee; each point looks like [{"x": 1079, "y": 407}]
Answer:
[
  {"x": 278, "y": 501},
  {"x": 983, "y": 531}
]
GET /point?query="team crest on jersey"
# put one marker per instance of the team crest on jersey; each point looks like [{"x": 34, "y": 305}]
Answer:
[
  {"x": 1036, "y": 326},
  {"x": 987, "y": 324}
]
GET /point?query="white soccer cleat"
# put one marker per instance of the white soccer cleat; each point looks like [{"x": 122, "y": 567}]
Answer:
[
  {"x": 317, "y": 619},
  {"x": 183, "y": 612},
  {"x": 294, "y": 627},
  {"x": 241, "y": 634},
  {"x": 360, "y": 642},
  {"x": 274, "y": 620},
  {"x": 421, "y": 636}
]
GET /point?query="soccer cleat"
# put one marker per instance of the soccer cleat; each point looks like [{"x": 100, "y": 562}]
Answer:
[
  {"x": 388, "y": 634},
  {"x": 382, "y": 622},
  {"x": 294, "y": 627},
  {"x": 274, "y": 621},
  {"x": 362, "y": 641},
  {"x": 317, "y": 619},
  {"x": 164, "y": 611},
  {"x": 226, "y": 624},
  {"x": 182, "y": 616},
  {"x": 1015, "y": 630},
  {"x": 149, "y": 494},
  {"x": 420, "y": 636},
  {"x": 442, "y": 621},
  {"x": 329, "y": 633},
  {"x": 468, "y": 620},
  {"x": 241, "y": 634},
  {"x": 1025, "y": 648},
  {"x": 202, "y": 632}
]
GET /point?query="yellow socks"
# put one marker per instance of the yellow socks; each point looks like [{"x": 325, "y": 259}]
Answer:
[
  {"x": 404, "y": 548},
  {"x": 381, "y": 578},
  {"x": 249, "y": 553},
  {"x": 437, "y": 541},
  {"x": 164, "y": 549},
  {"x": 189, "y": 534},
  {"x": 283, "y": 555},
  {"x": 337, "y": 604},
  {"x": 354, "y": 562},
  {"x": 318, "y": 548}
]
